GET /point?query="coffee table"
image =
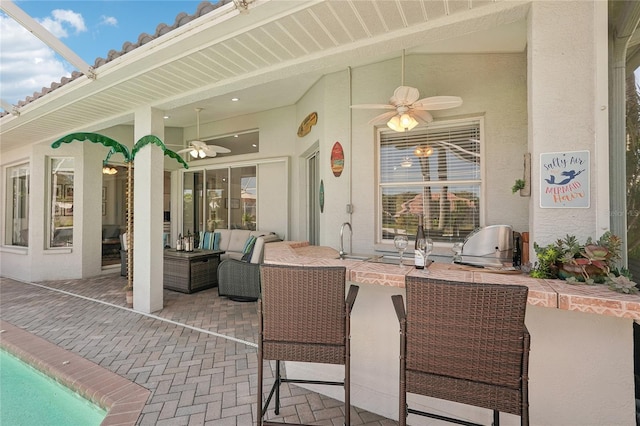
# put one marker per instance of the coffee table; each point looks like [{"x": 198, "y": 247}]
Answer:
[{"x": 188, "y": 272}]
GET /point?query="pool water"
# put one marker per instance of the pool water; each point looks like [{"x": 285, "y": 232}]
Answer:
[{"x": 28, "y": 397}]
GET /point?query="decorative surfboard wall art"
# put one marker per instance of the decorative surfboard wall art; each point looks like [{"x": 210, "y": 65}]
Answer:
[
  {"x": 321, "y": 196},
  {"x": 337, "y": 159},
  {"x": 306, "y": 125}
]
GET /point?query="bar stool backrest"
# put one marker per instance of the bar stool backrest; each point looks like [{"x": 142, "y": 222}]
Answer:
[
  {"x": 301, "y": 307},
  {"x": 464, "y": 342},
  {"x": 466, "y": 330}
]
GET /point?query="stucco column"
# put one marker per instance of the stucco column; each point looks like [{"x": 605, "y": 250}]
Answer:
[
  {"x": 148, "y": 214},
  {"x": 567, "y": 110}
]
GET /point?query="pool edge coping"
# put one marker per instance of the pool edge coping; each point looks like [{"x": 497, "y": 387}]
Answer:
[{"x": 123, "y": 399}]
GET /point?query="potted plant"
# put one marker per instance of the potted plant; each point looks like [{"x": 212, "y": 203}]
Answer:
[
  {"x": 592, "y": 262},
  {"x": 518, "y": 185}
]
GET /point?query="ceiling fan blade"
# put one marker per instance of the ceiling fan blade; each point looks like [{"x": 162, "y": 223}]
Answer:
[
  {"x": 218, "y": 149},
  {"x": 373, "y": 106},
  {"x": 382, "y": 117},
  {"x": 185, "y": 150},
  {"x": 404, "y": 95},
  {"x": 437, "y": 102},
  {"x": 422, "y": 115}
]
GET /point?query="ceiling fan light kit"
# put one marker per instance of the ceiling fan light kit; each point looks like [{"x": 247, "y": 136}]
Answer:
[
  {"x": 408, "y": 110},
  {"x": 198, "y": 148},
  {"x": 402, "y": 123}
]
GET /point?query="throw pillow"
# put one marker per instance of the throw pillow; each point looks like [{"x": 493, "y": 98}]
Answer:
[
  {"x": 247, "y": 250},
  {"x": 206, "y": 241},
  {"x": 248, "y": 245},
  {"x": 216, "y": 241}
]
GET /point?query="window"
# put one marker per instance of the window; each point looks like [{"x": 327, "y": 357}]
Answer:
[
  {"x": 61, "y": 207},
  {"x": 243, "y": 197},
  {"x": 230, "y": 201},
  {"x": 17, "y": 202},
  {"x": 433, "y": 171}
]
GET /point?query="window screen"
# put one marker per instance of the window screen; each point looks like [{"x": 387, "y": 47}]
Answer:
[{"x": 435, "y": 172}]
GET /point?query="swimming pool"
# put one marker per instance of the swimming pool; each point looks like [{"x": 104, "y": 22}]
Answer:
[{"x": 28, "y": 397}]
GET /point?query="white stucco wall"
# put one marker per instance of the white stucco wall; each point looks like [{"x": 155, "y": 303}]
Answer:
[{"x": 82, "y": 259}]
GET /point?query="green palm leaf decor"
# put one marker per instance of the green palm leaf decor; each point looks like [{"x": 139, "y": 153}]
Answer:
[
  {"x": 146, "y": 140},
  {"x": 96, "y": 138}
]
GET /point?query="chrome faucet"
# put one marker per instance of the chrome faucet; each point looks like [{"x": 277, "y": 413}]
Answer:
[{"x": 342, "y": 252}]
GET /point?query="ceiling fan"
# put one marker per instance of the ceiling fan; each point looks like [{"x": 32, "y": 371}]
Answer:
[
  {"x": 407, "y": 108},
  {"x": 198, "y": 148}
]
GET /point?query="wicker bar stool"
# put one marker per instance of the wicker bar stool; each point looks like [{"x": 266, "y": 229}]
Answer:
[
  {"x": 464, "y": 342},
  {"x": 303, "y": 317}
]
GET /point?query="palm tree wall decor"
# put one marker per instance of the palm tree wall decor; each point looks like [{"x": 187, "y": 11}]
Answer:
[{"x": 129, "y": 156}]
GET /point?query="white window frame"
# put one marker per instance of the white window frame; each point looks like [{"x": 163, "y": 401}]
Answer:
[
  {"x": 380, "y": 241},
  {"x": 50, "y": 208},
  {"x": 9, "y": 205}
]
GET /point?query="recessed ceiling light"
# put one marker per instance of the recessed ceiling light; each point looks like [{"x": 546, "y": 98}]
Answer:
[
  {"x": 235, "y": 136},
  {"x": 254, "y": 145},
  {"x": 235, "y": 99},
  {"x": 167, "y": 117}
]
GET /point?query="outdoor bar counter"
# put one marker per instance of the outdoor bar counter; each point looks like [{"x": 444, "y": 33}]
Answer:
[{"x": 581, "y": 359}]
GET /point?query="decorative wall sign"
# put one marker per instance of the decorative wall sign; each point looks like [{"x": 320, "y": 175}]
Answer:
[
  {"x": 337, "y": 159},
  {"x": 306, "y": 125},
  {"x": 564, "y": 179},
  {"x": 321, "y": 196}
]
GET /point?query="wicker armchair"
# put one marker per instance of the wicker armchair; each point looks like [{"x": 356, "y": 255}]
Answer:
[
  {"x": 303, "y": 317},
  {"x": 464, "y": 342},
  {"x": 239, "y": 280}
]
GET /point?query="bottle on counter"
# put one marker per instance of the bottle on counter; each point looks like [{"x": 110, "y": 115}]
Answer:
[
  {"x": 179, "y": 246},
  {"x": 420, "y": 231},
  {"x": 420, "y": 245},
  {"x": 187, "y": 242}
]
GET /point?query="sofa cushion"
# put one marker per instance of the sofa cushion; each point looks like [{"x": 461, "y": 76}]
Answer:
[
  {"x": 233, "y": 241},
  {"x": 237, "y": 239},
  {"x": 258, "y": 249}
]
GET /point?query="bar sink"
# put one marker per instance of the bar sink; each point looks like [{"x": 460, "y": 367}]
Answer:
[{"x": 361, "y": 257}]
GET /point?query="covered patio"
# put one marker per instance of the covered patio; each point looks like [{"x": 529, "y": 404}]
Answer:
[{"x": 197, "y": 355}]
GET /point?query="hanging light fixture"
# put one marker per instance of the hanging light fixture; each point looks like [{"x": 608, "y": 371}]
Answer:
[
  {"x": 402, "y": 123},
  {"x": 107, "y": 170},
  {"x": 198, "y": 152},
  {"x": 423, "y": 151}
]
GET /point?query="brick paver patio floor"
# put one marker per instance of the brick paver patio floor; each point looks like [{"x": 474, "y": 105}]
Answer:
[{"x": 197, "y": 355}]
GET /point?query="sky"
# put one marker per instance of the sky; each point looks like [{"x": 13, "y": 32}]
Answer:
[{"x": 90, "y": 28}]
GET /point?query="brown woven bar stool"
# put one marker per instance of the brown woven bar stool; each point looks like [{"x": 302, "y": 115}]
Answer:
[
  {"x": 464, "y": 342},
  {"x": 303, "y": 317}
]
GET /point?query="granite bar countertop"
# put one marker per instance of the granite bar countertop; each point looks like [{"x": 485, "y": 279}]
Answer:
[{"x": 557, "y": 294}]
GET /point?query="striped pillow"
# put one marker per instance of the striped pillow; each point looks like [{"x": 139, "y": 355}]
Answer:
[
  {"x": 248, "y": 249},
  {"x": 208, "y": 240}
]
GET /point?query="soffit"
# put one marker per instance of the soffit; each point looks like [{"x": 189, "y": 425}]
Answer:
[{"x": 271, "y": 55}]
